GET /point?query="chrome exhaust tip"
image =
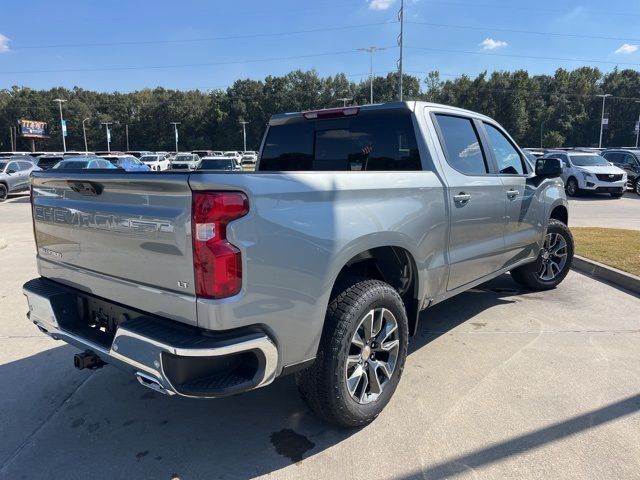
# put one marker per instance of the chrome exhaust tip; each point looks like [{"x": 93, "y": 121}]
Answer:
[{"x": 152, "y": 383}]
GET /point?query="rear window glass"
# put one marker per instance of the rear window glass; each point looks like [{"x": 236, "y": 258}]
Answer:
[
  {"x": 71, "y": 164},
  {"x": 216, "y": 164},
  {"x": 368, "y": 141}
]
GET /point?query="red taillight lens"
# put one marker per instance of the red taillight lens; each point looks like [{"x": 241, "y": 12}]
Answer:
[{"x": 217, "y": 263}]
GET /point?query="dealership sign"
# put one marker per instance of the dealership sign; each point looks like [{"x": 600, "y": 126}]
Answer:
[{"x": 33, "y": 129}]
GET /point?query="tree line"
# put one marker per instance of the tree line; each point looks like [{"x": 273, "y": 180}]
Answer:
[{"x": 562, "y": 109}]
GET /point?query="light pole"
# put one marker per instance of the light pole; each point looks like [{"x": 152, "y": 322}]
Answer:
[
  {"x": 84, "y": 134},
  {"x": 63, "y": 126},
  {"x": 344, "y": 100},
  {"x": 638, "y": 130},
  {"x": 401, "y": 44},
  {"x": 371, "y": 51},
  {"x": 175, "y": 131},
  {"x": 126, "y": 132},
  {"x": 541, "y": 134},
  {"x": 106, "y": 124},
  {"x": 604, "y": 98},
  {"x": 244, "y": 134}
]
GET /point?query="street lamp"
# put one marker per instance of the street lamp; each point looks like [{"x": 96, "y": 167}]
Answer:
[
  {"x": 175, "y": 130},
  {"x": 63, "y": 126},
  {"x": 84, "y": 134},
  {"x": 638, "y": 126},
  {"x": 344, "y": 100},
  {"x": 371, "y": 51},
  {"x": 244, "y": 134},
  {"x": 604, "y": 98},
  {"x": 106, "y": 124}
]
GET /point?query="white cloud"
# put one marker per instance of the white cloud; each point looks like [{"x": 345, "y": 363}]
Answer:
[
  {"x": 4, "y": 43},
  {"x": 491, "y": 44},
  {"x": 627, "y": 48},
  {"x": 380, "y": 4}
]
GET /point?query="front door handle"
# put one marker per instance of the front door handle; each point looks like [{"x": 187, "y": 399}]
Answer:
[
  {"x": 512, "y": 194},
  {"x": 462, "y": 198}
]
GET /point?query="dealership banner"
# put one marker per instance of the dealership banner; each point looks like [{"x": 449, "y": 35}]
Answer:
[{"x": 33, "y": 129}]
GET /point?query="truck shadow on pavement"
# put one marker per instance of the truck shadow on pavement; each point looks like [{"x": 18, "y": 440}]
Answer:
[{"x": 102, "y": 424}]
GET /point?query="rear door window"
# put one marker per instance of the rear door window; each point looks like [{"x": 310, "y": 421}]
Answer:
[
  {"x": 461, "y": 144},
  {"x": 368, "y": 141}
]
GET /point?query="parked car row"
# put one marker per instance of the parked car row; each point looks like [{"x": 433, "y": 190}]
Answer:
[
  {"x": 595, "y": 170},
  {"x": 16, "y": 167}
]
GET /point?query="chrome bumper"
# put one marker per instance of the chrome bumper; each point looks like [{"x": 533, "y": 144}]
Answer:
[{"x": 145, "y": 346}]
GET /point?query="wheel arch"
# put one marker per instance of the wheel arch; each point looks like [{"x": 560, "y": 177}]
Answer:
[
  {"x": 561, "y": 213},
  {"x": 391, "y": 264}
]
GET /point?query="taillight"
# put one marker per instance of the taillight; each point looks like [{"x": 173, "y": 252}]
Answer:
[{"x": 217, "y": 263}]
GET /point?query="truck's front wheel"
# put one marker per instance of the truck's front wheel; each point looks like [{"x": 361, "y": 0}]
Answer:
[
  {"x": 553, "y": 262},
  {"x": 361, "y": 355}
]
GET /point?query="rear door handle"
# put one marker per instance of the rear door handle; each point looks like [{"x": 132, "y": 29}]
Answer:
[
  {"x": 512, "y": 193},
  {"x": 462, "y": 197}
]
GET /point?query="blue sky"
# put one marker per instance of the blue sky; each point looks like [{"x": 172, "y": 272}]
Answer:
[{"x": 187, "y": 43}]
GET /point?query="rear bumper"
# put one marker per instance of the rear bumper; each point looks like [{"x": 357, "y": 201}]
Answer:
[{"x": 164, "y": 355}]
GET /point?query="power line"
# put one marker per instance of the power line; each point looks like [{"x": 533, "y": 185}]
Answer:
[
  {"x": 527, "y": 9},
  {"x": 184, "y": 65},
  {"x": 563, "y": 59},
  {"x": 529, "y": 32},
  {"x": 202, "y": 39}
]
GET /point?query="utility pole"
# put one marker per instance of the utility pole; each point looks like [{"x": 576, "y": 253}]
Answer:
[
  {"x": 638, "y": 126},
  {"x": 126, "y": 132},
  {"x": 344, "y": 101},
  {"x": 244, "y": 134},
  {"x": 63, "y": 125},
  {"x": 401, "y": 43},
  {"x": 13, "y": 148},
  {"x": 604, "y": 98},
  {"x": 541, "y": 133},
  {"x": 106, "y": 124},
  {"x": 371, "y": 51},
  {"x": 84, "y": 134},
  {"x": 175, "y": 131}
]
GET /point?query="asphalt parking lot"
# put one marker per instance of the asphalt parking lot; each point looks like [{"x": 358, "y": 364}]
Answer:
[{"x": 499, "y": 383}]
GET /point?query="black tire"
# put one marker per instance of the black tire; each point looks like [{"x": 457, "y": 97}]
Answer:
[
  {"x": 529, "y": 275},
  {"x": 636, "y": 187},
  {"x": 572, "y": 188},
  {"x": 323, "y": 386},
  {"x": 617, "y": 195},
  {"x": 3, "y": 192}
]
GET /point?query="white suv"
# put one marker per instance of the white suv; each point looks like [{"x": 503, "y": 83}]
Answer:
[
  {"x": 589, "y": 172},
  {"x": 156, "y": 162}
]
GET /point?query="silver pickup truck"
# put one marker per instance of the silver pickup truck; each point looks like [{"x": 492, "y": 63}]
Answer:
[{"x": 319, "y": 263}]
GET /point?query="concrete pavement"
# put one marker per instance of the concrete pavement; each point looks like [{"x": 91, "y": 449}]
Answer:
[
  {"x": 499, "y": 384},
  {"x": 604, "y": 211}
]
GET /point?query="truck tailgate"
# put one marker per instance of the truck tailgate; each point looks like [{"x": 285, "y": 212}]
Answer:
[{"x": 117, "y": 235}]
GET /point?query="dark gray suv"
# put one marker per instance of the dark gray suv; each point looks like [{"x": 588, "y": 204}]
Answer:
[{"x": 629, "y": 161}]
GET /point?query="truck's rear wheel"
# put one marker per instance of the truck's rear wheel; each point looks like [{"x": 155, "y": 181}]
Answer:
[
  {"x": 553, "y": 262},
  {"x": 361, "y": 355}
]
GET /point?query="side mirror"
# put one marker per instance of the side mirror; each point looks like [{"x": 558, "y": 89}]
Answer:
[
  {"x": 11, "y": 171},
  {"x": 548, "y": 167}
]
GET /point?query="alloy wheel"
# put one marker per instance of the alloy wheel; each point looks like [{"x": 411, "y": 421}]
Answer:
[
  {"x": 373, "y": 355},
  {"x": 554, "y": 256},
  {"x": 571, "y": 187},
  {"x": 3, "y": 193}
]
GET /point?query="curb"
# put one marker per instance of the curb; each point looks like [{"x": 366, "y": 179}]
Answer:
[{"x": 605, "y": 273}]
